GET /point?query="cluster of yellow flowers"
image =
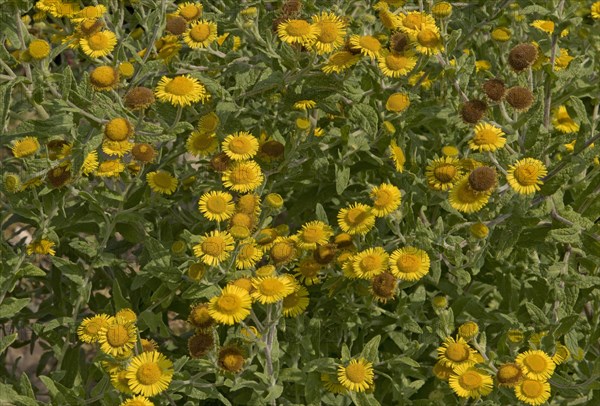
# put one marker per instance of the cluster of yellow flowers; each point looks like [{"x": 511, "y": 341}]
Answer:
[
  {"x": 134, "y": 365},
  {"x": 466, "y": 369}
]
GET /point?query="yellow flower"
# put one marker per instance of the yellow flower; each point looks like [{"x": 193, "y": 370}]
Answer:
[
  {"x": 536, "y": 364},
  {"x": 469, "y": 382},
  {"x": 562, "y": 59},
  {"x": 487, "y": 138},
  {"x": 357, "y": 376},
  {"x": 243, "y": 176},
  {"x": 332, "y": 31},
  {"x": 41, "y": 247},
  {"x": 441, "y": 371},
  {"x": 443, "y": 173},
  {"x": 332, "y": 385},
  {"x": 295, "y": 303},
  {"x": 90, "y": 163},
  {"x": 422, "y": 78},
  {"x": 271, "y": 289},
  {"x": 386, "y": 199},
  {"x": 118, "y": 337},
  {"x": 216, "y": 206},
  {"x": 308, "y": 271},
  {"x": 397, "y": 102},
  {"x": 89, "y": 329},
  {"x": 24, "y": 147},
  {"x": 312, "y": 234},
  {"x": 126, "y": 69},
  {"x": 283, "y": 250},
  {"x": 370, "y": 262},
  {"x": 397, "y": 156},
  {"x": 181, "y": 90},
  {"x": 414, "y": 20},
  {"x": 190, "y": 11},
  {"x": 214, "y": 247},
  {"x": 479, "y": 230},
  {"x": 524, "y": 176},
  {"x": 442, "y": 9},
  {"x": 456, "y": 353},
  {"x": 137, "y": 401},
  {"x": 409, "y": 263},
  {"x": 200, "y": 34},
  {"x": 464, "y": 199},
  {"x": 240, "y": 146},
  {"x": 98, "y": 44},
  {"x": 563, "y": 122},
  {"x": 201, "y": 143},
  {"x": 427, "y": 40},
  {"x": 12, "y": 183},
  {"x": 595, "y": 10},
  {"x": 482, "y": 65},
  {"x": 340, "y": 61},
  {"x": 468, "y": 330},
  {"x": 118, "y": 148},
  {"x": 298, "y": 32},
  {"x": 231, "y": 306},
  {"x": 561, "y": 354},
  {"x": 305, "y": 105},
  {"x": 39, "y": 49},
  {"x": 544, "y": 25},
  {"x": 501, "y": 34},
  {"x": 162, "y": 182},
  {"x": 249, "y": 253},
  {"x": 110, "y": 168},
  {"x": 533, "y": 392},
  {"x": 149, "y": 373},
  {"x": 104, "y": 78},
  {"x": 119, "y": 380},
  {"x": 356, "y": 219},
  {"x": 200, "y": 317},
  {"x": 509, "y": 375},
  {"x": 231, "y": 359},
  {"x": 366, "y": 44},
  {"x": 395, "y": 64}
]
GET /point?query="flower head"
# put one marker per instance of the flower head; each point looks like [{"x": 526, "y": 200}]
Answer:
[
  {"x": 386, "y": 199},
  {"x": 149, "y": 373},
  {"x": 443, "y": 173},
  {"x": 397, "y": 156},
  {"x": 357, "y": 218},
  {"x": 332, "y": 30},
  {"x": 214, "y": 247},
  {"x": 240, "y": 146},
  {"x": 532, "y": 392},
  {"x": 98, "y": 44},
  {"x": 524, "y": 176},
  {"x": 104, "y": 78},
  {"x": 271, "y": 289},
  {"x": 469, "y": 382},
  {"x": 312, "y": 234},
  {"x": 357, "y": 376},
  {"x": 25, "y": 147},
  {"x": 370, "y": 262},
  {"x": 367, "y": 45},
  {"x": 409, "y": 263},
  {"x": 89, "y": 329},
  {"x": 509, "y": 375},
  {"x": 181, "y": 90},
  {"x": 487, "y": 138},
  {"x": 536, "y": 364},
  {"x": 231, "y": 359},
  {"x": 243, "y": 176},
  {"x": 298, "y": 32},
  {"x": 563, "y": 122},
  {"x": 465, "y": 199},
  {"x": 200, "y": 34},
  {"x": 340, "y": 61},
  {"x": 162, "y": 182},
  {"x": 118, "y": 337},
  {"x": 231, "y": 306},
  {"x": 396, "y": 64},
  {"x": 455, "y": 353},
  {"x": 216, "y": 206}
]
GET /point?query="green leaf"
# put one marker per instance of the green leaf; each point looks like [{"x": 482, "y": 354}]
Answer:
[
  {"x": 5, "y": 342},
  {"x": 565, "y": 325},
  {"x": 365, "y": 116},
  {"x": 118, "y": 298},
  {"x": 370, "y": 350},
  {"x": 342, "y": 178},
  {"x": 30, "y": 270},
  {"x": 536, "y": 313},
  {"x": 12, "y": 306}
]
